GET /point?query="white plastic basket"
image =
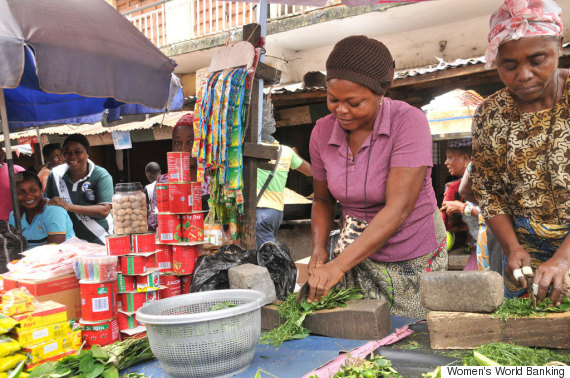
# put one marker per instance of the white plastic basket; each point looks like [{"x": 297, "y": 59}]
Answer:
[{"x": 191, "y": 341}]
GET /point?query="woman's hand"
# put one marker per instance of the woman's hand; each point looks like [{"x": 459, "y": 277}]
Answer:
[
  {"x": 318, "y": 258},
  {"x": 551, "y": 272},
  {"x": 58, "y": 201},
  {"x": 452, "y": 207},
  {"x": 322, "y": 279},
  {"x": 516, "y": 259}
]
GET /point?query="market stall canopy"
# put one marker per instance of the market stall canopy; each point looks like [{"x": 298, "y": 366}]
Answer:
[
  {"x": 68, "y": 61},
  {"x": 322, "y": 3}
]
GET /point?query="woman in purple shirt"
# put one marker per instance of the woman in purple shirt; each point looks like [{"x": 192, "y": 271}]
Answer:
[{"x": 373, "y": 155}]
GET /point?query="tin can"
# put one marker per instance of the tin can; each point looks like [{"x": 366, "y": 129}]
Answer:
[
  {"x": 144, "y": 242},
  {"x": 183, "y": 258},
  {"x": 178, "y": 166},
  {"x": 196, "y": 196},
  {"x": 179, "y": 197},
  {"x": 133, "y": 301},
  {"x": 172, "y": 284},
  {"x": 125, "y": 283},
  {"x": 98, "y": 300},
  {"x": 127, "y": 321},
  {"x": 169, "y": 228},
  {"x": 161, "y": 193},
  {"x": 185, "y": 282},
  {"x": 164, "y": 258},
  {"x": 132, "y": 264},
  {"x": 148, "y": 280},
  {"x": 193, "y": 227},
  {"x": 99, "y": 333},
  {"x": 118, "y": 244}
]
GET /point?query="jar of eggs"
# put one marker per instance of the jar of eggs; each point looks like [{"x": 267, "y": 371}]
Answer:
[{"x": 129, "y": 209}]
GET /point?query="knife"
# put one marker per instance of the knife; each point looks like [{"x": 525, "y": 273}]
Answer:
[{"x": 303, "y": 293}]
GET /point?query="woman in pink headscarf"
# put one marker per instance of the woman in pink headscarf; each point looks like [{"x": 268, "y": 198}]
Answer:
[{"x": 521, "y": 148}]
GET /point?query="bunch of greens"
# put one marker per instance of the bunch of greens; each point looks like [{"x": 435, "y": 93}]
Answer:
[
  {"x": 292, "y": 314},
  {"x": 504, "y": 354},
  {"x": 376, "y": 366},
  {"x": 221, "y": 306},
  {"x": 519, "y": 307},
  {"x": 103, "y": 362}
]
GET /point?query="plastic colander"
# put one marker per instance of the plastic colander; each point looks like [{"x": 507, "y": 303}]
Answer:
[{"x": 191, "y": 341}]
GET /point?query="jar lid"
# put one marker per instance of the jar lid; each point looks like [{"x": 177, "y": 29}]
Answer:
[{"x": 128, "y": 187}]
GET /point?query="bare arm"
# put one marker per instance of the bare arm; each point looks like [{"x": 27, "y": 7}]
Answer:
[
  {"x": 402, "y": 190},
  {"x": 56, "y": 238},
  {"x": 322, "y": 215},
  {"x": 465, "y": 190},
  {"x": 306, "y": 169},
  {"x": 100, "y": 210}
]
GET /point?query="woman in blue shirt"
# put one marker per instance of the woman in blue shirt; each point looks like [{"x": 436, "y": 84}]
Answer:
[{"x": 41, "y": 223}]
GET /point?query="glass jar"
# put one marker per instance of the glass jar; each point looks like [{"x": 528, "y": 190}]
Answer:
[{"x": 129, "y": 209}]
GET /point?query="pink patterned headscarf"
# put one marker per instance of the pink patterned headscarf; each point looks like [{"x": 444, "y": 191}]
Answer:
[{"x": 522, "y": 18}]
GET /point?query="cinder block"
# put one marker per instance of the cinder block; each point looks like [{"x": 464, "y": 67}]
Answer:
[
  {"x": 249, "y": 276},
  {"x": 471, "y": 291}
]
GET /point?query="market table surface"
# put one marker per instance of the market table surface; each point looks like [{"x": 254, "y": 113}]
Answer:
[{"x": 410, "y": 356}]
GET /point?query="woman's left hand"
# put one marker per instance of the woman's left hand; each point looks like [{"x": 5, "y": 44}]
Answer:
[
  {"x": 322, "y": 279},
  {"x": 452, "y": 207},
  {"x": 58, "y": 201},
  {"x": 551, "y": 272}
]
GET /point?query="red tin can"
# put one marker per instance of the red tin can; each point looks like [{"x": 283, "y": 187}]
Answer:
[
  {"x": 169, "y": 228},
  {"x": 98, "y": 300},
  {"x": 151, "y": 261},
  {"x": 127, "y": 321},
  {"x": 164, "y": 258},
  {"x": 99, "y": 333},
  {"x": 184, "y": 258},
  {"x": 161, "y": 193},
  {"x": 193, "y": 227},
  {"x": 178, "y": 166},
  {"x": 172, "y": 284},
  {"x": 185, "y": 282},
  {"x": 132, "y": 264},
  {"x": 144, "y": 242},
  {"x": 125, "y": 283},
  {"x": 118, "y": 244},
  {"x": 179, "y": 197},
  {"x": 196, "y": 196},
  {"x": 133, "y": 301},
  {"x": 149, "y": 280}
]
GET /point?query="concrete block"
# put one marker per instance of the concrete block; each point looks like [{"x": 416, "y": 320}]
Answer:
[
  {"x": 471, "y": 291},
  {"x": 249, "y": 276}
]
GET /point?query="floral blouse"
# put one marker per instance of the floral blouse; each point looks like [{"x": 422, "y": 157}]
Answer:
[{"x": 522, "y": 161}]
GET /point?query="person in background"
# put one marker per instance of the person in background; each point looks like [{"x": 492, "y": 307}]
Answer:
[
  {"x": 374, "y": 155},
  {"x": 53, "y": 156},
  {"x": 182, "y": 140},
  {"x": 5, "y": 194},
  {"x": 521, "y": 170},
  {"x": 152, "y": 172},
  {"x": 84, "y": 189},
  {"x": 41, "y": 223}
]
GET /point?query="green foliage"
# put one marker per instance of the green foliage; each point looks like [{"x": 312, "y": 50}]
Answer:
[
  {"x": 520, "y": 307},
  {"x": 292, "y": 314},
  {"x": 221, "y": 306},
  {"x": 504, "y": 354},
  {"x": 376, "y": 366}
]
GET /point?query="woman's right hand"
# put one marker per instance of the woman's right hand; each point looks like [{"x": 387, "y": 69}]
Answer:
[
  {"x": 318, "y": 258},
  {"x": 516, "y": 259}
]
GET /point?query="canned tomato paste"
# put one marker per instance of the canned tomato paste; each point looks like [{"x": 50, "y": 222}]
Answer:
[
  {"x": 183, "y": 258},
  {"x": 196, "y": 196},
  {"x": 178, "y": 166},
  {"x": 98, "y": 300},
  {"x": 99, "y": 333},
  {"x": 133, "y": 301},
  {"x": 144, "y": 242},
  {"x": 185, "y": 282},
  {"x": 152, "y": 279},
  {"x": 161, "y": 193},
  {"x": 118, "y": 244},
  {"x": 169, "y": 228},
  {"x": 172, "y": 284},
  {"x": 164, "y": 258},
  {"x": 127, "y": 321},
  {"x": 125, "y": 283},
  {"x": 179, "y": 197}
]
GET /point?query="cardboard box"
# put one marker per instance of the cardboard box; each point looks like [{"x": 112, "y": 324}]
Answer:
[
  {"x": 302, "y": 270},
  {"x": 42, "y": 351},
  {"x": 39, "y": 335},
  {"x": 45, "y": 313},
  {"x": 63, "y": 289}
]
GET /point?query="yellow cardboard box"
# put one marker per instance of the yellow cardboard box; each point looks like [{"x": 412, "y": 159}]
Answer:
[
  {"x": 39, "y": 335},
  {"x": 45, "y": 313},
  {"x": 45, "y": 350}
]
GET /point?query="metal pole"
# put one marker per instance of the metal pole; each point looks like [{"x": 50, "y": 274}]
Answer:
[
  {"x": 263, "y": 23},
  {"x": 12, "y": 177},
  {"x": 41, "y": 145}
]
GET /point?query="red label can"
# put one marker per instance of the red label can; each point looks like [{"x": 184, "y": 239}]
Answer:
[
  {"x": 172, "y": 284},
  {"x": 193, "y": 227},
  {"x": 127, "y": 321},
  {"x": 98, "y": 300},
  {"x": 164, "y": 258},
  {"x": 196, "y": 196},
  {"x": 133, "y": 301},
  {"x": 179, "y": 197},
  {"x": 118, "y": 244},
  {"x": 144, "y": 242},
  {"x": 178, "y": 166},
  {"x": 161, "y": 193},
  {"x": 148, "y": 280},
  {"x": 169, "y": 228},
  {"x": 185, "y": 282},
  {"x": 125, "y": 283},
  {"x": 99, "y": 333},
  {"x": 183, "y": 258},
  {"x": 131, "y": 264}
]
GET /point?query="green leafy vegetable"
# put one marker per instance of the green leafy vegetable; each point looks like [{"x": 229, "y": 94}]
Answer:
[
  {"x": 292, "y": 314},
  {"x": 376, "y": 366},
  {"x": 520, "y": 307},
  {"x": 221, "y": 306},
  {"x": 505, "y": 354}
]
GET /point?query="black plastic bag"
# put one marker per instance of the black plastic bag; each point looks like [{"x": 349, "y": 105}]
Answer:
[
  {"x": 12, "y": 244},
  {"x": 211, "y": 272},
  {"x": 277, "y": 259}
]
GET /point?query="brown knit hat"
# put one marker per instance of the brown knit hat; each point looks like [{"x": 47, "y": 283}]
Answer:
[{"x": 362, "y": 60}]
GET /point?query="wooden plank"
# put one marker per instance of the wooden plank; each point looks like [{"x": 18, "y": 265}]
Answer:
[
  {"x": 269, "y": 74},
  {"x": 464, "y": 330},
  {"x": 260, "y": 151},
  {"x": 364, "y": 319},
  {"x": 240, "y": 54},
  {"x": 300, "y": 115}
]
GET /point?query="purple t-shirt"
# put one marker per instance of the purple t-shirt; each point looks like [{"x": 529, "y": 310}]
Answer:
[{"x": 401, "y": 138}]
